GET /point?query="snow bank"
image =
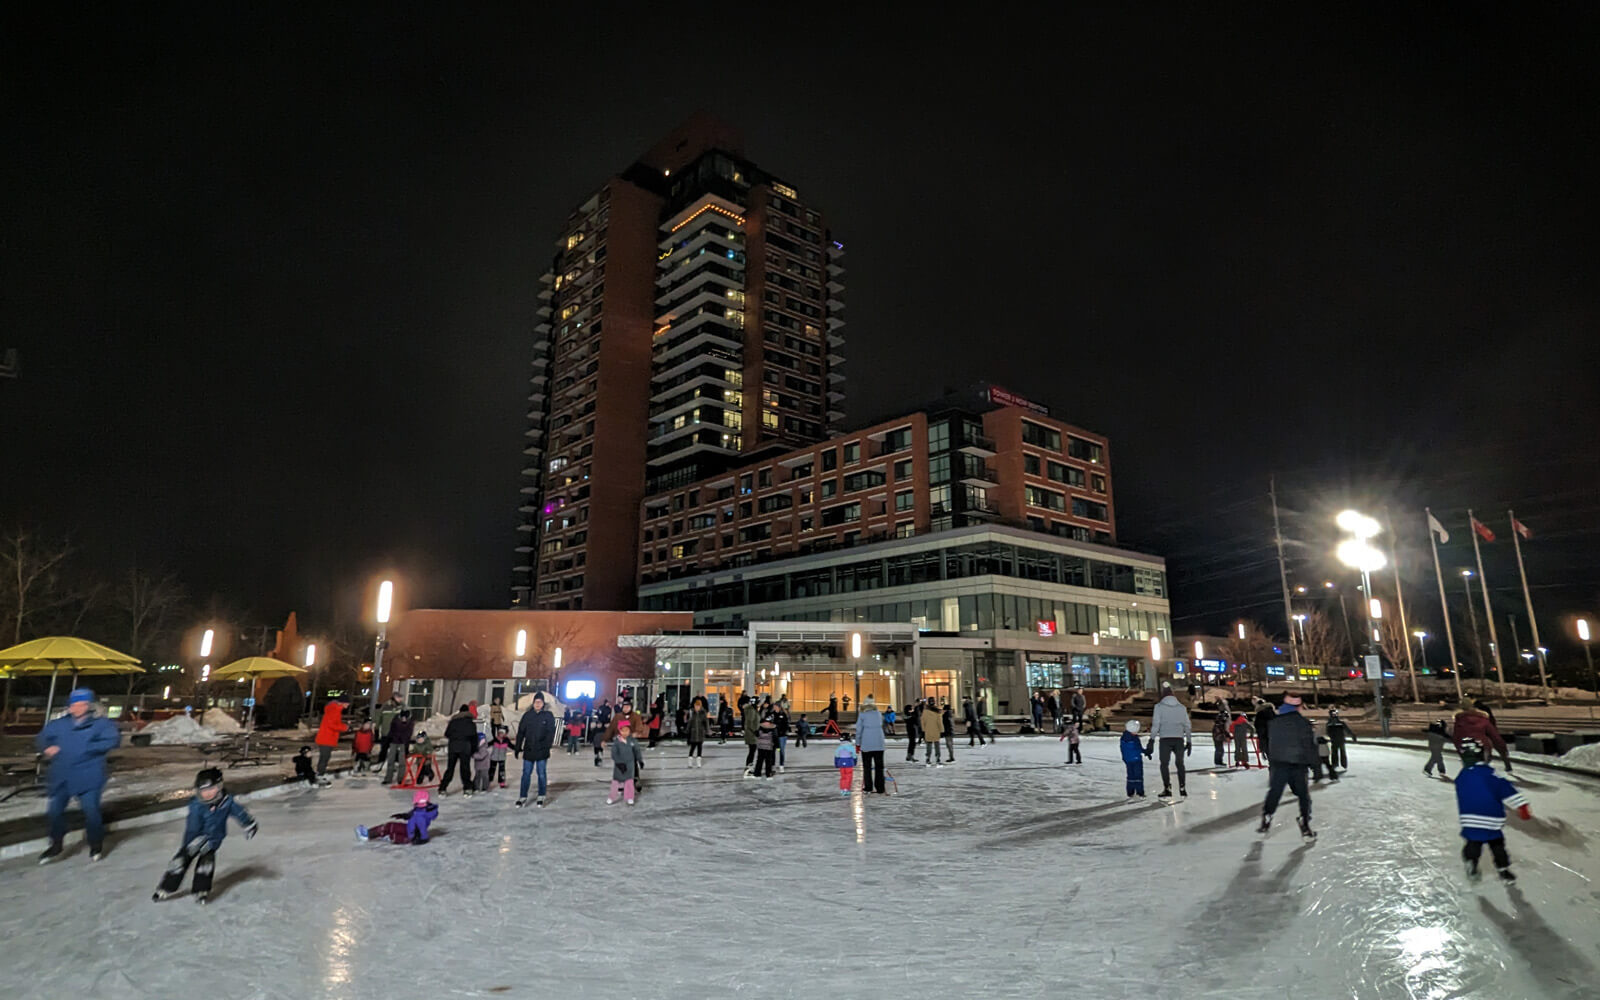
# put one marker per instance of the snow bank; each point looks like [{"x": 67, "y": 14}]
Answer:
[
  {"x": 1587, "y": 755},
  {"x": 179, "y": 729},
  {"x": 219, "y": 721}
]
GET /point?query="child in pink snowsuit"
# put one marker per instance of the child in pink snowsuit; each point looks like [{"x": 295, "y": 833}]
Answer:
[
  {"x": 625, "y": 758},
  {"x": 407, "y": 827},
  {"x": 844, "y": 758}
]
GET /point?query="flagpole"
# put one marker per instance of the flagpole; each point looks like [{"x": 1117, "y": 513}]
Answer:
[
  {"x": 1444, "y": 607},
  {"x": 1488, "y": 612},
  {"x": 1533, "y": 622},
  {"x": 1400, "y": 599}
]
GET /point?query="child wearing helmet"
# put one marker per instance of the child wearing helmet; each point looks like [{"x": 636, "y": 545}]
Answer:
[
  {"x": 1481, "y": 798},
  {"x": 405, "y": 828},
  {"x": 203, "y": 833},
  {"x": 1133, "y": 758},
  {"x": 304, "y": 770}
]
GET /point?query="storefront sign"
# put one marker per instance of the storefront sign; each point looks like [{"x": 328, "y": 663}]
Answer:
[
  {"x": 1005, "y": 398},
  {"x": 1046, "y": 627}
]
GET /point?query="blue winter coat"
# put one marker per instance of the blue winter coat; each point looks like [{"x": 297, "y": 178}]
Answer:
[
  {"x": 209, "y": 820},
  {"x": 1132, "y": 750},
  {"x": 80, "y": 765},
  {"x": 869, "y": 730}
]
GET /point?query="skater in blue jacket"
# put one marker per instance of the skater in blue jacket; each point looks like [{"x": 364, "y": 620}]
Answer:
[
  {"x": 1133, "y": 757},
  {"x": 203, "y": 833},
  {"x": 1482, "y": 797}
]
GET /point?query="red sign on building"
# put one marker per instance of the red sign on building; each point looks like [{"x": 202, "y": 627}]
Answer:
[
  {"x": 1047, "y": 627},
  {"x": 1007, "y": 398}
]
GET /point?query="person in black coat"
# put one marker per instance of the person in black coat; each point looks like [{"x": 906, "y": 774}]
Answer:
[
  {"x": 724, "y": 720},
  {"x": 1265, "y": 713},
  {"x": 1294, "y": 750},
  {"x": 974, "y": 730},
  {"x": 1338, "y": 732},
  {"x": 536, "y": 734},
  {"x": 399, "y": 740},
  {"x": 461, "y": 738}
]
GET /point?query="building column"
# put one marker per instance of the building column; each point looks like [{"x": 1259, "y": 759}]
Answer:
[
  {"x": 911, "y": 677},
  {"x": 750, "y": 660}
]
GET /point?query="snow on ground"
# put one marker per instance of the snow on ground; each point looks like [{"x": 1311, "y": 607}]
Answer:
[
  {"x": 179, "y": 729},
  {"x": 219, "y": 721},
  {"x": 1587, "y": 755},
  {"x": 1005, "y": 875}
]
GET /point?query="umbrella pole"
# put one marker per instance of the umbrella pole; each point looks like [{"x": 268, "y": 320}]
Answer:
[
  {"x": 50, "y": 701},
  {"x": 250, "y": 716}
]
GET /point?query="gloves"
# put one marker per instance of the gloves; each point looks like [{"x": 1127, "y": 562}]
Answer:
[
  {"x": 251, "y": 830},
  {"x": 1188, "y": 748},
  {"x": 1525, "y": 812}
]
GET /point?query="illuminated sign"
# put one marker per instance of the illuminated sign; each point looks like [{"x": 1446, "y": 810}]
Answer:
[
  {"x": 1046, "y": 627},
  {"x": 1310, "y": 671},
  {"x": 1005, "y": 398},
  {"x": 579, "y": 689}
]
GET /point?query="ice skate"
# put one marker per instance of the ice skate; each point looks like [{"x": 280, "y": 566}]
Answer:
[
  {"x": 159, "y": 895},
  {"x": 1266, "y": 824},
  {"x": 780, "y": 768},
  {"x": 361, "y": 833},
  {"x": 519, "y": 803},
  {"x": 1472, "y": 871},
  {"x": 96, "y": 853},
  {"x": 502, "y": 784},
  {"x": 630, "y": 802},
  {"x": 50, "y": 854},
  {"x": 610, "y": 801},
  {"x": 1305, "y": 829},
  {"x": 1506, "y": 875},
  {"x": 202, "y": 898},
  {"x": 1183, "y": 792},
  {"x": 539, "y": 802},
  {"x": 1165, "y": 793},
  {"x": 845, "y": 792}
]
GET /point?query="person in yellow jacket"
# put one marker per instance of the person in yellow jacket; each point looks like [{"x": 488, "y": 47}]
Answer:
[{"x": 931, "y": 721}]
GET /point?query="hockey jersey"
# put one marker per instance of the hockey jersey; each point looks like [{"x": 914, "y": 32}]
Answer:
[{"x": 1481, "y": 798}]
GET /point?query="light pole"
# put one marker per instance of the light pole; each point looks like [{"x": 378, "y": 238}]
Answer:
[
  {"x": 206, "y": 640},
  {"x": 385, "y": 609},
  {"x": 1422, "y": 649},
  {"x": 1583, "y": 634},
  {"x": 855, "y": 659},
  {"x": 1358, "y": 552}
]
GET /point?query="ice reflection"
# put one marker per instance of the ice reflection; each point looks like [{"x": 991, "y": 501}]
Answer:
[
  {"x": 1422, "y": 952},
  {"x": 340, "y": 940},
  {"x": 858, "y": 808}
]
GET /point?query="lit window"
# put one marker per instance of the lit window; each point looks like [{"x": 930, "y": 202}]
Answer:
[
  {"x": 769, "y": 419},
  {"x": 574, "y": 240}
]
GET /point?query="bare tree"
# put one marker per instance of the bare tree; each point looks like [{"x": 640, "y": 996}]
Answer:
[
  {"x": 541, "y": 657},
  {"x": 150, "y": 606},
  {"x": 1254, "y": 650},
  {"x": 33, "y": 582},
  {"x": 1323, "y": 645}
]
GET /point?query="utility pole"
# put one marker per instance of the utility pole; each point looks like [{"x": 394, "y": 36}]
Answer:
[
  {"x": 1283, "y": 576},
  {"x": 1400, "y": 599}
]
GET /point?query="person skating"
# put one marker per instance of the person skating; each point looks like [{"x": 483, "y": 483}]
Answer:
[
  {"x": 931, "y": 724},
  {"x": 481, "y": 756},
  {"x": 780, "y": 730},
  {"x": 766, "y": 744},
  {"x": 361, "y": 748},
  {"x": 1074, "y": 754},
  {"x": 1241, "y": 730},
  {"x": 1053, "y": 707},
  {"x": 499, "y": 748},
  {"x": 724, "y": 721},
  {"x": 1133, "y": 758},
  {"x": 398, "y": 739},
  {"x": 1438, "y": 733},
  {"x": 1324, "y": 758},
  {"x": 304, "y": 770},
  {"x": 461, "y": 741},
  {"x": 422, "y": 748},
  {"x": 204, "y": 829},
  {"x": 1294, "y": 750},
  {"x": 969, "y": 715},
  {"x": 751, "y": 721},
  {"x": 1473, "y": 723},
  {"x": 1338, "y": 731},
  {"x": 409, "y": 827},
  {"x": 76, "y": 745},
  {"x": 1265, "y": 713},
  {"x": 844, "y": 758},
  {"x": 626, "y": 755},
  {"x": 1481, "y": 799},
  {"x": 328, "y": 734},
  {"x": 947, "y": 721},
  {"x": 536, "y": 734},
  {"x": 1079, "y": 704},
  {"x": 1219, "y": 738},
  {"x": 911, "y": 732},
  {"x": 802, "y": 730},
  {"x": 1171, "y": 736},
  {"x": 654, "y": 724},
  {"x": 387, "y": 712},
  {"x": 699, "y": 728},
  {"x": 870, "y": 746}
]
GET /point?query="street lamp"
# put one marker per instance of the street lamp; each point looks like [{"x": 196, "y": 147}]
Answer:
[
  {"x": 1422, "y": 649},
  {"x": 855, "y": 658},
  {"x": 555, "y": 669},
  {"x": 384, "y": 610},
  {"x": 1359, "y": 553},
  {"x": 1588, "y": 655}
]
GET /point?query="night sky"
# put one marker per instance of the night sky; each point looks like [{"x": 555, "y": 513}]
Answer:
[{"x": 273, "y": 281}]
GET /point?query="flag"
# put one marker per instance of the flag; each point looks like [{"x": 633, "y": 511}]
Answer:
[
  {"x": 1482, "y": 530},
  {"x": 1520, "y": 528},
  {"x": 1438, "y": 529}
]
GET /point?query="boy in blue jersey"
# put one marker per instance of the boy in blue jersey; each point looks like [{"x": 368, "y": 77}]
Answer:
[{"x": 1482, "y": 797}]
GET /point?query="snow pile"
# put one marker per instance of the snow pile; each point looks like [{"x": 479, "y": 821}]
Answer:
[
  {"x": 1587, "y": 755},
  {"x": 179, "y": 729},
  {"x": 219, "y": 721}
]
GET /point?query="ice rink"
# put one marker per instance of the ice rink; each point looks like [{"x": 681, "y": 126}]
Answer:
[{"x": 1007, "y": 874}]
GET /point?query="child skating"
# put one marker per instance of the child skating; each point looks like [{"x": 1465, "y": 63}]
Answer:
[
  {"x": 497, "y": 755},
  {"x": 626, "y": 756},
  {"x": 1481, "y": 798},
  {"x": 1438, "y": 735},
  {"x": 1070, "y": 734},
  {"x": 1133, "y": 758},
  {"x": 409, "y": 827},
  {"x": 1242, "y": 729},
  {"x": 361, "y": 745},
  {"x": 304, "y": 770},
  {"x": 480, "y": 763},
  {"x": 203, "y": 833},
  {"x": 844, "y": 758}
]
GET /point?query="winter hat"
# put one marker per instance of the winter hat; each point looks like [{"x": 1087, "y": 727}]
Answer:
[
  {"x": 80, "y": 694},
  {"x": 1132, "y": 726},
  {"x": 623, "y": 723},
  {"x": 421, "y": 798},
  {"x": 1291, "y": 699},
  {"x": 867, "y": 703}
]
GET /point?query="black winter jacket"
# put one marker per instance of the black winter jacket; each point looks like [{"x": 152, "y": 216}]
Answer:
[
  {"x": 461, "y": 733},
  {"x": 1264, "y": 716},
  {"x": 536, "y": 734},
  {"x": 1293, "y": 740}
]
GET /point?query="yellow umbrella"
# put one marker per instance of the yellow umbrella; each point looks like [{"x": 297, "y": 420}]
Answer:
[
  {"x": 255, "y": 668},
  {"x": 55, "y": 653}
]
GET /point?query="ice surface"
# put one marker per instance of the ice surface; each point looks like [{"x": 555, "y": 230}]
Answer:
[{"x": 1004, "y": 875}]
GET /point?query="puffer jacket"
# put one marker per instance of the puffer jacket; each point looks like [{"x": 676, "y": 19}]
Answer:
[
  {"x": 1132, "y": 752},
  {"x": 699, "y": 726},
  {"x": 209, "y": 820},
  {"x": 869, "y": 730},
  {"x": 80, "y": 762},
  {"x": 1472, "y": 724},
  {"x": 931, "y": 723},
  {"x": 1170, "y": 720},
  {"x": 461, "y": 733},
  {"x": 1294, "y": 740},
  {"x": 332, "y": 724},
  {"x": 625, "y": 756},
  {"x": 751, "y": 723}
]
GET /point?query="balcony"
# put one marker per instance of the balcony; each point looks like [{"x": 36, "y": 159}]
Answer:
[
  {"x": 544, "y": 294},
  {"x": 984, "y": 510},
  {"x": 975, "y": 444},
  {"x": 979, "y": 474}
]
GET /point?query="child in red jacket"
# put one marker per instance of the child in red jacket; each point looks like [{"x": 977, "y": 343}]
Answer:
[{"x": 362, "y": 743}]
